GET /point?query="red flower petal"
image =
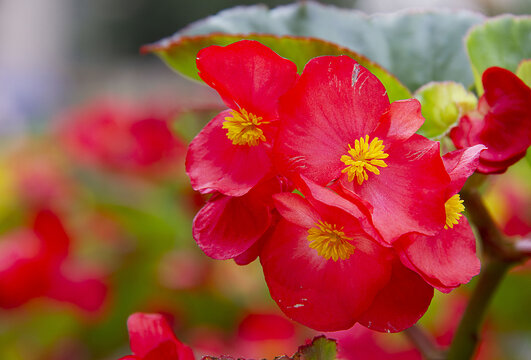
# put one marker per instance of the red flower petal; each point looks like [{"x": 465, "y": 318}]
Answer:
[
  {"x": 400, "y": 304},
  {"x": 445, "y": 260},
  {"x": 335, "y": 102},
  {"x": 86, "y": 292},
  {"x": 150, "y": 334},
  {"x": 213, "y": 163},
  {"x": 227, "y": 226},
  {"x": 24, "y": 272},
  {"x": 408, "y": 195},
  {"x": 460, "y": 164},
  {"x": 247, "y": 75},
  {"x": 53, "y": 236},
  {"x": 502, "y": 121},
  {"x": 250, "y": 255},
  {"x": 296, "y": 209},
  {"x": 401, "y": 121},
  {"x": 323, "y": 294}
]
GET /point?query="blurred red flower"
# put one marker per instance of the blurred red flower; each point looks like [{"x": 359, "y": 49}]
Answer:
[
  {"x": 151, "y": 338},
  {"x": 502, "y": 122},
  {"x": 123, "y": 137},
  {"x": 35, "y": 262},
  {"x": 232, "y": 153}
]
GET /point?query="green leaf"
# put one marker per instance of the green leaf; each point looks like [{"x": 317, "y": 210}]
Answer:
[
  {"x": 321, "y": 348},
  {"x": 417, "y": 47},
  {"x": 502, "y": 41},
  {"x": 180, "y": 55},
  {"x": 442, "y": 106},
  {"x": 523, "y": 71}
]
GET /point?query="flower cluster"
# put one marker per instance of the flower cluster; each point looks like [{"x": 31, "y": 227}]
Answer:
[
  {"x": 355, "y": 217},
  {"x": 36, "y": 262}
]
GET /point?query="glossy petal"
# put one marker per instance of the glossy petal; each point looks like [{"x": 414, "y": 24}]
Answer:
[
  {"x": 322, "y": 294},
  {"x": 213, "y": 163},
  {"x": 400, "y": 304},
  {"x": 445, "y": 260},
  {"x": 460, "y": 164},
  {"x": 502, "y": 121},
  {"x": 335, "y": 102},
  {"x": 228, "y": 226},
  {"x": 401, "y": 121},
  {"x": 408, "y": 195},
  {"x": 247, "y": 75},
  {"x": 150, "y": 335}
]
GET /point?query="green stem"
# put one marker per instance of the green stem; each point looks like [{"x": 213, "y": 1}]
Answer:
[
  {"x": 424, "y": 343},
  {"x": 499, "y": 257},
  {"x": 467, "y": 335}
]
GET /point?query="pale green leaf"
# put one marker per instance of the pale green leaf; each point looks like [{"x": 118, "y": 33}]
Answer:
[
  {"x": 502, "y": 41},
  {"x": 442, "y": 105}
]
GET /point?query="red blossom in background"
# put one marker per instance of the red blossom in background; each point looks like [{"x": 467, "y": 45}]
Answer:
[
  {"x": 232, "y": 153},
  {"x": 123, "y": 137},
  {"x": 502, "y": 122},
  {"x": 35, "y": 263},
  {"x": 337, "y": 124},
  {"x": 151, "y": 338}
]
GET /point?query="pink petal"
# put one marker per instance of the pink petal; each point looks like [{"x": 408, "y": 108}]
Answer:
[
  {"x": 213, "y": 163},
  {"x": 400, "y": 304}
]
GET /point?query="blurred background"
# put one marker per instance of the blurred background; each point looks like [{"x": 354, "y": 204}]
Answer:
[{"x": 93, "y": 137}]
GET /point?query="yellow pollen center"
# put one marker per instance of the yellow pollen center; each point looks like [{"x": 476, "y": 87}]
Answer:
[
  {"x": 243, "y": 128},
  {"x": 365, "y": 156},
  {"x": 329, "y": 241},
  {"x": 454, "y": 207}
]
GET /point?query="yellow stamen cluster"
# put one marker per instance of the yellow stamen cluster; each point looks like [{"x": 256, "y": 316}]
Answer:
[
  {"x": 365, "y": 156},
  {"x": 243, "y": 128},
  {"x": 454, "y": 207},
  {"x": 329, "y": 241}
]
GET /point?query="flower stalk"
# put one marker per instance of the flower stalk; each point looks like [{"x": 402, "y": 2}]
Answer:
[{"x": 500, "y": 256}]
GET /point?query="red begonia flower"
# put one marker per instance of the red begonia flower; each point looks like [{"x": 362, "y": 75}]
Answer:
[
  {"x": 448, "y": 258},
  {"x": 502, "y": 122},
  {"x": 337, "y": 124},
  {"x": 151, "y": 338},
  {"x": 325, "y": 269},
  {"x": 123, "y": 137},
  {"x": 228, "y": 226},
  {"x": 32, "y": 264},
  {"x": 232, "y": 153}
]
